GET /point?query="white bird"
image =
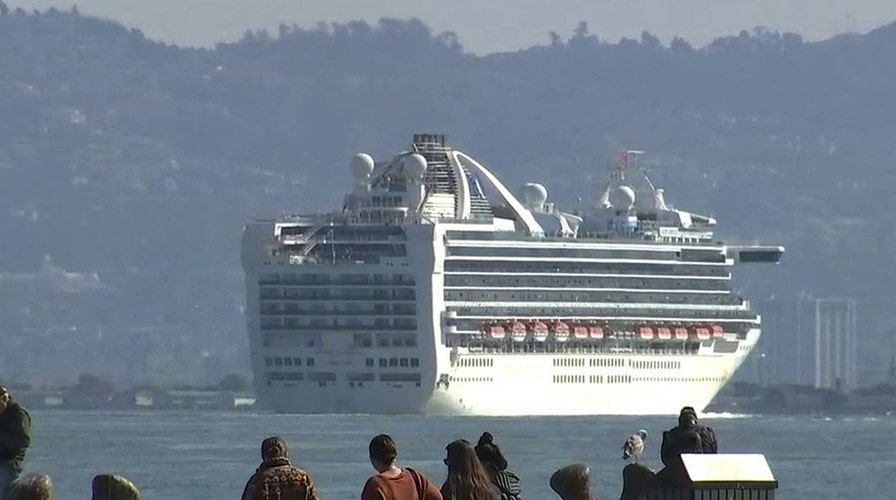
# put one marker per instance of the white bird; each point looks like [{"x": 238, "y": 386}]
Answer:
[{"x": 634, "y": 445}]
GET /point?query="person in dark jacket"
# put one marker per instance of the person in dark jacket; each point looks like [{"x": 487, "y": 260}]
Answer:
[
  {"x": 496, "y": 467},
  {"x": 15, "y": 437},
  {"x": 690, "y": 436}
]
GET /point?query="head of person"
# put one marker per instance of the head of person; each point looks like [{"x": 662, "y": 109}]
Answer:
[
  {"x": 687, "y": 418},
  {"x": 489, "y": 453},
  {"x": 113, "y": 487},
  {"x": 383, "y": 452},
  {"x": 466, "y": 476},
  {"x": 31, "y": 487},
  {"x": 274, "y": 447},
  {"x": 572, "y": 482},
  {"x": 4, "y": 399}
]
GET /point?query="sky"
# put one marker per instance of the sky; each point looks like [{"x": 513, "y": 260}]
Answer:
[{"x": 486, "y": 26}]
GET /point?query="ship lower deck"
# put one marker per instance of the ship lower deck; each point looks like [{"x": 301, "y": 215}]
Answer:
[{"x": 516, "y": 384}]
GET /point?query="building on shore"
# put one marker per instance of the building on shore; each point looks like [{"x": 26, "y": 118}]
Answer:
[{"x": 805, "y": 341}]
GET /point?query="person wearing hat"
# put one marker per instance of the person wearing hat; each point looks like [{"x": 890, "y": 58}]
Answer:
[
  {"x": 690, "y": 436},
  {"x": 276, "y": 478},
  {"x": 15, "y": 437}
]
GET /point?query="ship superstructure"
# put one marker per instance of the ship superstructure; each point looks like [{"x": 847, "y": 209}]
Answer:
[{"x": 436, "y": 289}]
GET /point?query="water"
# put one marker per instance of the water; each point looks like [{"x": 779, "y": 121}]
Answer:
[{"x": 211, "y": 455}]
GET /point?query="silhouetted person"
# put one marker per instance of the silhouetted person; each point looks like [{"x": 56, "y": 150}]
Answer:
[
  {"x": 495, "y": 466},
  {"x": 688, "y": 437},
  {"x": 392, "y": 482},
  {"x": 113, "y": 487},
  {"x": 31, "y": 487},
  {"x": 15, "y": 438},
  {"x": 467, "y": 479},
  {"x": 276, "y": 478},
  {"x": 572, "y": 482}
]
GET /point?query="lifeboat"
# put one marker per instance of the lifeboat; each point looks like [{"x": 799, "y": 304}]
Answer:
[
  {"x": 539, "y": 330},
  {"x": 664, "y": 333},
  {"x": 496, "y": 331},
  {"x": 717, "y": 331},
  {"x": 517, "y": 331},
  {"x": 595, "y": 332},
  {"x": 645, "y": 332},
  {"x": 681, "y": 333},
  {"x": 579, "y": 331},
  {"x": 561, "y": 331},
  {"x": 702, "y": 332}
]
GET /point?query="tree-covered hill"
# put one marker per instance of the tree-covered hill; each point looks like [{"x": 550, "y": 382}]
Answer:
[{"x": 140, "y": 161}]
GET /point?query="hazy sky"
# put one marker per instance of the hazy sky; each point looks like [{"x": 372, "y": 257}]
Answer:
[{"x": 492, "y": 25}]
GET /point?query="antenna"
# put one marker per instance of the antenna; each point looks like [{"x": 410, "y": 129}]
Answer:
[{"x": 332, "y": 243}]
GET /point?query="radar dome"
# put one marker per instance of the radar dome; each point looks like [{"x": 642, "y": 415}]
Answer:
[
  {"x": 362, "y": 165},
  {"x": 534, "y": 194},
  {"x": 415, "y": 166},
  {"x": 622, "y": 197}
]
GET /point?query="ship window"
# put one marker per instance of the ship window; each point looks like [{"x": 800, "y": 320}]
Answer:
[
  {"x": 287, "y": 361},
  {"x": 268, "y": 362},
  {"x": 396, "y": 342},
  {"x": 383, "y": 362},
  {"x": 368, "y": 362},
  {"x": 278, "y": 361},
  {"x": 410, "y": 342},
  {"x": 382, "y": 341},
  {"x": 309, "y": 362},
  {"x": 403, "y": 362},
  {"x": 415, "y": 362},
  {"x": 393, "y": 362},
  {"x": 297, "y": 361}
]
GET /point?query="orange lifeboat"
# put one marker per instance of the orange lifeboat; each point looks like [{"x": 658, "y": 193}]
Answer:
[
  {"x": 579, "y": 331},
  {"x": 539, "y": 330},
  {"x": 663, "y": 333},
  {"x": 681, "y": 333},
  {"x": 517, "y": 331},
  {"x": 595, "y": 332},
  {"x": 702, "y": 333},
  {"x": 717, "y": 331},
  {"x": 496, "y": 331},
  {"x": 645, "y": 332},
  {"x": 561, "y": 331}
]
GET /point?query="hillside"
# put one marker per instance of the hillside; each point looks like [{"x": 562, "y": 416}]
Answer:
[{"x": 139, "y": 162}]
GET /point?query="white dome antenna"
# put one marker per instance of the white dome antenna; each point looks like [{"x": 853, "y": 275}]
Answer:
[
  {"x": 621, "y": 197},
  {"x": 415, "y": 167},
  {"x": 534, "y": 195},
  {"x": 362, "y": 166}
]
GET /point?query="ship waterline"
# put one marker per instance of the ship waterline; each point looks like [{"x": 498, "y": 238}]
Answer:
[{"x": 436, "y": 290}]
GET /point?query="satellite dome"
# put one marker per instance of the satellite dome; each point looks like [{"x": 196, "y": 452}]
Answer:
[
  {"x": 622, "y": 197},
  {"x": 534, "y": 194},
  {"x": 362, "y": 165},
  {"x": 415, "y": 166}
]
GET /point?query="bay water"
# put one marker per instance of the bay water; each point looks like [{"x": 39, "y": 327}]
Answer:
[{"x": 198, "y": 455}]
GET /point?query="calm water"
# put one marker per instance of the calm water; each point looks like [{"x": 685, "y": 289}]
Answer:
[{"x": 210, "y": 455}]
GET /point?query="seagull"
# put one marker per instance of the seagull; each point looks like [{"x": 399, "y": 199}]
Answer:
[{"x": 634, "y": 445}]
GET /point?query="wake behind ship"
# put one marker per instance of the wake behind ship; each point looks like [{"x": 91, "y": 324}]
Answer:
[{"x": 436, "y": 289}]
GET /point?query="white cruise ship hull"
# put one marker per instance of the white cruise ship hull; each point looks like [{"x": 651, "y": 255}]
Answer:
[{"x": 436, "y": 290}]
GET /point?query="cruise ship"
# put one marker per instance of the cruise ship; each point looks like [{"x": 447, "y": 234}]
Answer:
[{"x": 436, "y": 289}]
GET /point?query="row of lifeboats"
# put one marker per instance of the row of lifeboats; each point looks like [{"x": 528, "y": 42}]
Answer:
[{"x": 562, "y": 331}]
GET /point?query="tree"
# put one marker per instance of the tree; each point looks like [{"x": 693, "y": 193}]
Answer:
[{"x": 556, "y": 41}]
